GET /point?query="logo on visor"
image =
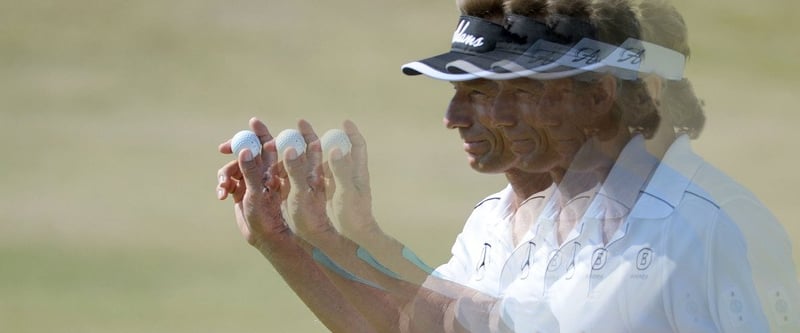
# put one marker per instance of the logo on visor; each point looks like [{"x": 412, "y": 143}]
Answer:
[
  {"x": 587, "y": 55},
  {"x": 460, "y": 36},
  {"x": 631, "y": 56},
  {"x": 541, "y": 57}
]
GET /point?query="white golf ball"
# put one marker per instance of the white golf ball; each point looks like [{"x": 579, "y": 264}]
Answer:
[
  {"x": 290, "y": 138},
  {"x": 335, "y": 138},
  {"x": 246, "y": 139}
]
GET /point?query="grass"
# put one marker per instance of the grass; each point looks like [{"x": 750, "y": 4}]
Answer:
[{"x": 110, "y": 113}]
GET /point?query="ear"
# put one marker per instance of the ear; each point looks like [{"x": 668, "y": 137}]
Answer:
[
  {"x": 604, "y": 94},
  {"x": 654, "y": 87},
  {"x": 604, "y": 123}
]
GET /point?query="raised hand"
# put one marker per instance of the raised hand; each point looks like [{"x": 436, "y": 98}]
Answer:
[
  {"x": 258, "y": 186},
  {"x": 307, "y": 201},
  {"x": 352, "y": 202}
]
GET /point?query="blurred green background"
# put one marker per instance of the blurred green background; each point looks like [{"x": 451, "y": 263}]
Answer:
[{"x": 111, "y": 112}]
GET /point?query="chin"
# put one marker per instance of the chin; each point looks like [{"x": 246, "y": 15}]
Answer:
[{"x": 487, "y": 168}]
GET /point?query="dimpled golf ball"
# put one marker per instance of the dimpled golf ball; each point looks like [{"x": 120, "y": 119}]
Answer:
[
  {"x": 335, "y": 138},
  {"x": 290, "y": 138},
  {"x": 246, "y": 139}
]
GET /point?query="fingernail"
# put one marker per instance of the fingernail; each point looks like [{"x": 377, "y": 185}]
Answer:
[
  {"x": 220, "y": 193},
  {"x": 248, "y": 156},
  {"x": 221, "y": 179},
  {"x": 291, "y": 154}
]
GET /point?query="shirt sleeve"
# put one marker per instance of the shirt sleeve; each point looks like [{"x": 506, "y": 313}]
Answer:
[
  {"x": 769, "y": 253},
  {"x": 457, "y": 268},
  {"x": 734, "y": 303}
]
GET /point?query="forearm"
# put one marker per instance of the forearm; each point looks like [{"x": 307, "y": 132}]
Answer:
[
  {"x": 377, "y": 305},
  {"x": 385, "y": 298},
  {"x": 349, "y": 256},
  {"x": 391, "y": 253},
  {"x": 290, "y": 256},
  {"x": 381, "y": 297}
]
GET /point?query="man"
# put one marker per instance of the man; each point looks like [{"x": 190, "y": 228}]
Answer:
[
  {"x": 487, "y": 152},
  {"x": 570, "y": 102},
  {"x": 588, "y": 286}
]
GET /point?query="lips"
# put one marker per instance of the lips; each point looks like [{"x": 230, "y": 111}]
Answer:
[{"x": 476, "y": 147}]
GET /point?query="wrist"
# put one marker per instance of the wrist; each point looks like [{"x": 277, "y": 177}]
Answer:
[{"x": 274, "y": 242}]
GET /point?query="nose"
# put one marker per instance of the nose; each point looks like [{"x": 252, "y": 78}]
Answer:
[
  {"x": 504, "y": 112},
  {"x": 459, "y": 112}
]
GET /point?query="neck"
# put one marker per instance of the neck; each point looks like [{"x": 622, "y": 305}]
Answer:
[
  {"x": 662, "y": 138},
  {"x": 526, "y": 184},
  {"x": 609, "y": 151}
]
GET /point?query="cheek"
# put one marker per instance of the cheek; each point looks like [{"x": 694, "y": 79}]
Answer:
[{"x": 578, "y": 112}]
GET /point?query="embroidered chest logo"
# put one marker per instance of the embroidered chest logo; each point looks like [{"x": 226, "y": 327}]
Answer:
[
  {"x": 526, "y": 266},
  {"x": 555, "y": 260},
  {"x": 462, "y": 37},
  {"x": 480, "y": 268},
  {"x": 644, "y": 259},
  {"x": 599, "y": 259}
]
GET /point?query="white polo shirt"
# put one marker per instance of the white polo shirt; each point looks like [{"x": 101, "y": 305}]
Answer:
[
  {"x": 768, "y": 247},
  {"x": 676, "y": 264},
  {"x": 484, "y": 245}
]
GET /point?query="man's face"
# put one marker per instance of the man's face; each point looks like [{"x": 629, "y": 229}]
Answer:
[
  {"x": 538, "y": 118},
  {"x": 469, "y": 112}
]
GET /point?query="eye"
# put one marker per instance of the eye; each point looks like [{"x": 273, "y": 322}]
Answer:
[
  {"x": 528, "y": 93},
  {"x": 480, "y": 94}
]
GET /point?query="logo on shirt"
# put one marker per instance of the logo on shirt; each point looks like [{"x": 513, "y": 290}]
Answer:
[
  {"x": 644, "y": 259},
  {"x": 480, "y": 269},
  {"x": 571, "y": 267},
  {"x": 526, "y": 267},
  {"x": 555, "y": 261},
  {"x": 599, "y": 259},
  {"x": 462, "y": 37}
]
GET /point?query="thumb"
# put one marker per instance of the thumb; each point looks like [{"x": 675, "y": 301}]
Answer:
[
  {"x": 295, "y": 168},
  {"x": 330, "y": 183},
  {"x": 341, "y": 168},
  {"x": 251, "y": 170}
]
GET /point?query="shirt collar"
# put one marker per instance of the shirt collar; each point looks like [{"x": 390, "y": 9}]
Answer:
[
  {"x": 624, "y": 182},
  {"x": 671, "y": 178}
]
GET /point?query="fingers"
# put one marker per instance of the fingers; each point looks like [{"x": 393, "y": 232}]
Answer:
[
  {"x": 351, "y": 171},
  {"x": 261, "y": 130},
  {"x": 305, "y": 170},
  {"x": 225, "y": 147},
  {"x": 314, "y": 147},
  {"x": 330, "y": 183},
  {"x": 278, "y": 170},
  {"x": 359, "y": 145},
  {"x": 254, "y": 177},
  {"x": 257, "y": 126},
  {"x": 228, "y": 176}
]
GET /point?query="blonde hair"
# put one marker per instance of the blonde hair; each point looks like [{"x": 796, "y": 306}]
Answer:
[
  {"x": 487, "y": 9},
  {"x": 662, "y": 24}
]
